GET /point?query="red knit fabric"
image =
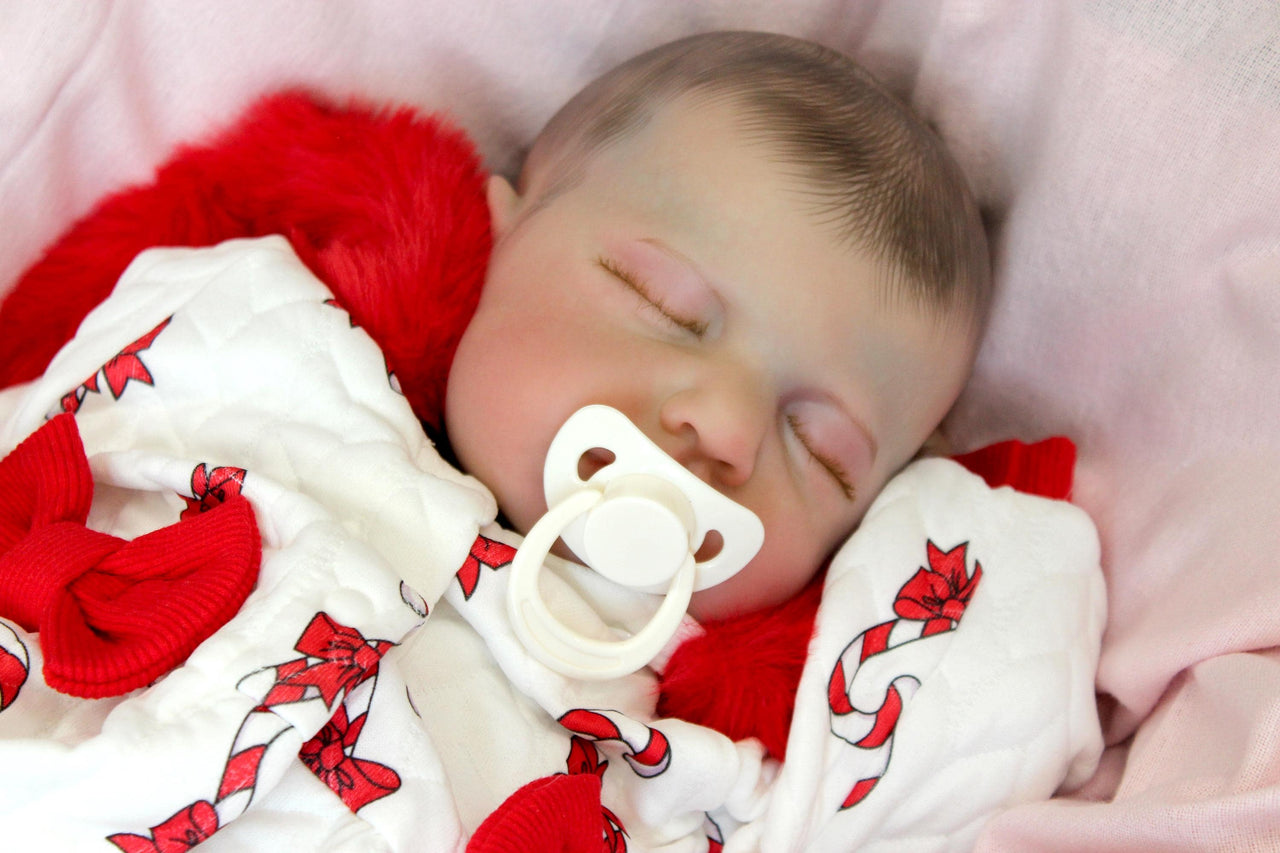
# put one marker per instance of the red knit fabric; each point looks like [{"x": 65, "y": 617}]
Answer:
[
  {"x": 1046, "y": 468},
  {"x": 112, "y": 615},
  {"x": 554, "y": 814}
]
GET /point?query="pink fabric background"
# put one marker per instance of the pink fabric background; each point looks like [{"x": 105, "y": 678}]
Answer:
[{"x": 1129, "y": 156}]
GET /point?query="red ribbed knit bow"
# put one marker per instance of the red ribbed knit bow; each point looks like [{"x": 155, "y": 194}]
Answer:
[{"x": 113, "y": 615}]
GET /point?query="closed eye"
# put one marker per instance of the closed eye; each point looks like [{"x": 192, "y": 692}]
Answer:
[
  {"x": 834, "y": 468},
  {"x": 697, "y": 328}
]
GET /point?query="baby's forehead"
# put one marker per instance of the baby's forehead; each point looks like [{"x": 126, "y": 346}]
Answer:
[
  {"x": 701, "y": 151},
  {"x": 704, "y": 165},
  {"x": 673, "y": 125}
]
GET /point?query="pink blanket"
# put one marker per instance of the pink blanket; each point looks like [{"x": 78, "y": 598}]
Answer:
[{"x": 1126, "y": 154}]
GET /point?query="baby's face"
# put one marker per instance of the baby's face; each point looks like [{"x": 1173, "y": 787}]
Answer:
[{"x": 686, "y": 281}]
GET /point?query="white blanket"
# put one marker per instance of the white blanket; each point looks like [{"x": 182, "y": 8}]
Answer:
[{"x": 975, "y": 613}]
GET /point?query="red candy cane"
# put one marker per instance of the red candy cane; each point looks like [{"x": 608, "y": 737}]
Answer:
[
  {"x": 649, "y": 751},
  {"x": 15, "y": 665},
  {"x": 337, "y": 662},
  {"x": 867, "y": 692}
]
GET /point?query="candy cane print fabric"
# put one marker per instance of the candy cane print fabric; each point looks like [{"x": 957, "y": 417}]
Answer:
[
  {"x": 950, "y": 674},
  {"x": 930, "y": 604},
  {"x": 646, "y": 749},
  {"x": 362, "y": 527},
  {"x": 15, "y": 664},
  {"x": 660, "y": 777},
  {"x": 337, "y": 662}
]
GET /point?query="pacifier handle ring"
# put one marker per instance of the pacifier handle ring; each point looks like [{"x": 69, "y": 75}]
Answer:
[{"x": 560, "y": 647}]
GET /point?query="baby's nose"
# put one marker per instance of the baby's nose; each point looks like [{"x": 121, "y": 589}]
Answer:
[{"x": 719, "y": 426}]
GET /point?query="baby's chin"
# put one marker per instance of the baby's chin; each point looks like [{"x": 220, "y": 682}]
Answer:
[
  {"x": 713, "y": 604},
  {"x": 705, "y": 606}
]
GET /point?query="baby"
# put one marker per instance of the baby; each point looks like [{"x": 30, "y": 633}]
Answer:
[{"x": 746, "y": 245}]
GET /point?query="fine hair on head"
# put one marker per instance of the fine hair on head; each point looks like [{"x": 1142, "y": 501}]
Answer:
[{"x": 871, "y": 168}]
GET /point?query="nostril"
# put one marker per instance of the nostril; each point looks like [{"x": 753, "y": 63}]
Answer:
[
  {"x": 594, "y": 460},
  {"x": 712, "y": 545}
]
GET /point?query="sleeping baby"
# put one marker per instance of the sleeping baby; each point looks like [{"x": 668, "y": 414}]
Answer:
[{"x": 740, "y": 244}]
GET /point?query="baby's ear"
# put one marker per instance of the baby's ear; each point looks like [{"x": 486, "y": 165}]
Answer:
[{"x": 504, "y": 202}]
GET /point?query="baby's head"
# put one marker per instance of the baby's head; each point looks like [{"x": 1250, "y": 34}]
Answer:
[{"x": 744, "y": 244}]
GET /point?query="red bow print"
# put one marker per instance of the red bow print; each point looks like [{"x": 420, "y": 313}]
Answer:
[
  {"x": 74, "y": 399},
  {"x": 126, "y": 367},
  {"x": 356, "y": 781},
  {"x": 112, "y": 615},
  {"x": 484, "y": 552},
  {"x": 584, "y": 757},
  {"x": 938, "y": 595},
  {"x": 346, "y": 659},
  {"x": 211, "y": 487},
  {"x": 187, "y": 828}
]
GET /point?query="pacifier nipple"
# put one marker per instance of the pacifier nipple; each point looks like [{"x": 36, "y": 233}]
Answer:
[{"x": 638, "y": 521}]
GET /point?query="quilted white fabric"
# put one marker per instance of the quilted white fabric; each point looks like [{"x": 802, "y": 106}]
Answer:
[
  {"x": 951, "y": 675},
  {"x": 252, "y": 372}
]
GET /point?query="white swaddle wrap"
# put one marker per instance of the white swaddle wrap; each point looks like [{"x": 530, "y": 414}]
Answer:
[{"x": 951, "y": 672}]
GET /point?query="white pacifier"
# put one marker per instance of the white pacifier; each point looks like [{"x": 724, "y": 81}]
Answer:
[{"x": 638, "y": 521}]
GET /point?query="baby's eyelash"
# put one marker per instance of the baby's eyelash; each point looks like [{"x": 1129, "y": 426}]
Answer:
[
  {"x": 833, "y": 468},
  {"x": 695, "y": 327}
]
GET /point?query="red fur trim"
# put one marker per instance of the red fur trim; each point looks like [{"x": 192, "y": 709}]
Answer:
[
  {"x": 740, "y": 676},
  {"x": 387, "y": 208}
]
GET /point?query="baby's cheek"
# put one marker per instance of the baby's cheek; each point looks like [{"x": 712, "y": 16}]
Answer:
[
  {"x": 486, "y": 391},
  {"x": 782, "y": 568},
  {"x": 793, "y": 560}
]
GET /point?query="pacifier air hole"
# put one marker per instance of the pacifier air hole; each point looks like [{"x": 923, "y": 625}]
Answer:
[
  {"x": 593, "y": 461},
  {"x": 712, "y": 544}
]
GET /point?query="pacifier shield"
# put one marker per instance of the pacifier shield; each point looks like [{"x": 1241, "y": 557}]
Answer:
[
  {"x": 638, "y": 535},
  {"x": 600, "y": 432},
  {"x": 638, "y": 521}
]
